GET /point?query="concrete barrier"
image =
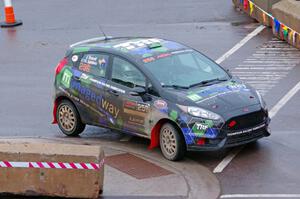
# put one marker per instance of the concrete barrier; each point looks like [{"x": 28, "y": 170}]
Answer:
[
  {"x": 288, "y": 12},
  {"x": 257, "y": 14},
  {"x": 44, "y": 169},
  {"x": 284, "y": 13}
]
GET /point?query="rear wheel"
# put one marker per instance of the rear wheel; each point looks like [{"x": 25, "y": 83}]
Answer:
[
  {"x": 172, "y": 143},
  {"x": 68, "y": 119}
]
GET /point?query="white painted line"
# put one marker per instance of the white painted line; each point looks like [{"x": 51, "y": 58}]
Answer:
[
  {"x": 227, "y": 160},
  {"x": 126, "y": 138},
  {"x": 261, "y": 196},
  {"x": 265, "y": 68},
  {"x": 284, "y": 100},
  {"x": 222, "y": 165},
  {"x": 241, "y": 43}
]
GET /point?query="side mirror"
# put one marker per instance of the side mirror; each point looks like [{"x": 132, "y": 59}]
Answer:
[{"x": 137, "y": 91}]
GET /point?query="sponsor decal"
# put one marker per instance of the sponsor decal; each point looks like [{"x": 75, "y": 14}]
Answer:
[
  {"x": 173, "y": 115},
  {"x": 163, "y": 55},
  {"x": 130, "y": 45},
  {"x": 183, "y": 118},
  {"x": 247, "y": 131},
  {"x": 74, "y": 58},
  {"x": 135, "y": 120},
  {"x": 103, "y": 83},
  {"x": 136, "y": 108},
  {"x": 86, "y": 93},
  {"x": 82, "y": 102},
  {"x": 66, "y": 78},
  {"x": 199, "y": 128},
  {"x": 221, "y": 89},
  {"x": 135, "y": 113},
  {"x": 188, "y": 135},
  {"x": 194, "y": 97},
  {"x": 235, "y": 86},
  {"x": 211, "y": 133},
  {"x": 181, "y": 51},
  {"x": 149, "y": 59},
  {"x": 90, "y": 59},
  {"x": 84, "y": 78},
  {"x": 109, "y": 107},
  {"x": 85, "y": 67},
  {"x": 160, "y": 104},
  {"x": 81, "y": 49}
]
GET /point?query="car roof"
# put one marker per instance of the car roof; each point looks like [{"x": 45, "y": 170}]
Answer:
[{"x": 136, "y": 47}]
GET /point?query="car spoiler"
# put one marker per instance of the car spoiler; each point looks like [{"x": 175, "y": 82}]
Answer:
[{"x": 96, "y": 39}]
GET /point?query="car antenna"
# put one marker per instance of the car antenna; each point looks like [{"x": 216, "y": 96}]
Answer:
[{"x": 105, "y": 37}]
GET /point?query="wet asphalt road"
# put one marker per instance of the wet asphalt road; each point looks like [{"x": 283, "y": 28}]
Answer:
[{"x": 29, "y": 54}]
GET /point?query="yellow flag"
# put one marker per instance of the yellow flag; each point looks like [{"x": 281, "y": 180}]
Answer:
[
  {"x": 291, "y": 36},
  {"x": 251, "y": 7}
]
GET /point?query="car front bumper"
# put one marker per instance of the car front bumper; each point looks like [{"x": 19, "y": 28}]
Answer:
[{"x": 233, "y": 139}]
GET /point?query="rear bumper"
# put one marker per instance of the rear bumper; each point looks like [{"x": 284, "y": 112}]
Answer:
[{"x": 233, "y": 140}]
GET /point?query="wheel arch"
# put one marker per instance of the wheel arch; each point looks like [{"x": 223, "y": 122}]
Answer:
[
  {"x": 154, "y": 142},
  {"x": 56, "y": 102}
]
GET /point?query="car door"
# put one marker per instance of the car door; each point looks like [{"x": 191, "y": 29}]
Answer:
[
  {"x": 89, "y": 76},
  {"x": 131, "y": 112}
]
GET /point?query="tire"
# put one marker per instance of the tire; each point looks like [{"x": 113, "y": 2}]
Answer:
[
  {"x": 68, "y": 119},
  {"x": 171, "y": 143}
]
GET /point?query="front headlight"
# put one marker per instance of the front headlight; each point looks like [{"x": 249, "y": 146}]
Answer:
[
  {"x": 261, "y": 100},
  {"x": 199, "y": 112}
]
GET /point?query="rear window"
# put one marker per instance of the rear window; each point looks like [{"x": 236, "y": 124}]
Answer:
[{"x": 95, "y": 64}]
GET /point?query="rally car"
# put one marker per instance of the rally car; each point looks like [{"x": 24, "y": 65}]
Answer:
[{"x": 158, "y": 89}]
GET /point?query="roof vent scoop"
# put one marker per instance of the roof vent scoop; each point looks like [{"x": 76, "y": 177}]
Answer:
[{"x": 154, "y": 45}]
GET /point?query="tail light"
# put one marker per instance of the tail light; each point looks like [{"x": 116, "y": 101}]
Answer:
[{"x": 61, "y": 65}]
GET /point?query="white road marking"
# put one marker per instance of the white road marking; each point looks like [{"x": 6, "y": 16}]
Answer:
[
  {"x": 261, "y": 196},
  {"x": 284, "y": 100},
  {"x": 241, "y": 43},
  {"x": 226, "y": 160}
]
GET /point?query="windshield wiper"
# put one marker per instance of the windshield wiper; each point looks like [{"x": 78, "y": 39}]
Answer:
[
  {"x": 176, "y": 86},
  {"x": 205, "y": 82}
]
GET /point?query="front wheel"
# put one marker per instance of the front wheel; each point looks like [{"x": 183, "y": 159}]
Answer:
[
  {"x": 68, "y": 119},
  {"x": 172, "y": 143}
]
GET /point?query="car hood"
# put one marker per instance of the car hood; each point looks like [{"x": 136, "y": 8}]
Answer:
[{"x": 219, "y": 98}]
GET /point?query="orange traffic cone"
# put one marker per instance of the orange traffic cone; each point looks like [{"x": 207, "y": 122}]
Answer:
[{"x": 10, "y": 20}]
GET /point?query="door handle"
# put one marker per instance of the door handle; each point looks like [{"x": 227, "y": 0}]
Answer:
[{"x": 115, "y": 93}]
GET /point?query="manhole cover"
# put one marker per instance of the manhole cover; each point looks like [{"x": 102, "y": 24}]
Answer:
[{"x": 135, "y": 166}]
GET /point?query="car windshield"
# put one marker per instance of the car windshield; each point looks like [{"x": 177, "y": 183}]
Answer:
[{"x": 185, "y": 69}]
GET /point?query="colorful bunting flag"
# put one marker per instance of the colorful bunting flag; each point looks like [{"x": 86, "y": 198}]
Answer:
[
  {"x": 285, "y": 31},
  {"x": 251, "y": 7},
  {"x": 246, "y": 4},
  {"x": 264, "y": 18},
  {"x": 291, "y": 35},
  {"x": 277, "y": 25},
  {"x": 294, "y": 37}
]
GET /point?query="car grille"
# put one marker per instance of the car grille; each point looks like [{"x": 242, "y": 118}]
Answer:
[
  {"x": 245, "y": 137},
  {"x": 246, "y": 121}
]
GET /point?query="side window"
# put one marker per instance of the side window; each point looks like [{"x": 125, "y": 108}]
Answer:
[
  {"x": 95, "y": 64},
  {"x": 127, "y": 74}
]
